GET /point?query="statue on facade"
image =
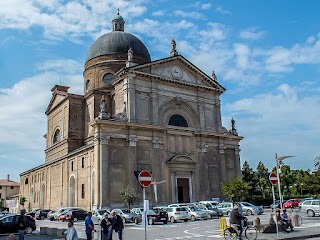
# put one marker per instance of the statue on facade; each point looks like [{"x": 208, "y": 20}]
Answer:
[
  {"x": 130, "y": 54},
  {"x": 104, "y": 115},
  {"x": 214, "y": 77},
  {"x": 122, "y": 116},
  {"x": 233, "y": 129},
  {"x": 173, "y": 48}
]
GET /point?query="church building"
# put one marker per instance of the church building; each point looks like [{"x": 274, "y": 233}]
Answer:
[{"x": 163, "y": 116}]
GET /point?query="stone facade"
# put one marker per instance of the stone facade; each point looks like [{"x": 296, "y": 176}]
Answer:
[{"x": 163, "y": 116}]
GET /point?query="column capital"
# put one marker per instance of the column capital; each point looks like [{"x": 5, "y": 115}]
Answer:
[
  {"x": 157, "y": 144},
  {"x": 101, "y": 139},
  {"x": 222, "y": 148},
  {"x": 132, "y": 141},
  {"x": 203, "y": 147}
]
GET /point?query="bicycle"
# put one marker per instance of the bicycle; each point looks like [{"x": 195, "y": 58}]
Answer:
[{"x": 250, "y": 232}]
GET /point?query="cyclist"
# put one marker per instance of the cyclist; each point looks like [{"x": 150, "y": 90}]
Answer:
[{"x": 236, "y": 219}]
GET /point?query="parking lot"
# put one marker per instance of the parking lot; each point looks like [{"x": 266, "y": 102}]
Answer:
[{"x": 202, "y": 229}]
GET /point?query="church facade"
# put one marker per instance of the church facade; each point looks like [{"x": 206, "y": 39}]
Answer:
[{"x": 163, "y": 116}]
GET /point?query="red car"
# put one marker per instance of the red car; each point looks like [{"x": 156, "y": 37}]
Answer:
[{"x": 292, "y": 203}]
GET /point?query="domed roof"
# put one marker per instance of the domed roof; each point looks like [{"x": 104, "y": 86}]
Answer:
[{"x": 118, "y": 42}]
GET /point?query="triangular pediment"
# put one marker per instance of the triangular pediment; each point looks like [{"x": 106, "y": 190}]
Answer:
[
  {"x": 56, "y": 99},
  {"x": 180, "y": 70}
]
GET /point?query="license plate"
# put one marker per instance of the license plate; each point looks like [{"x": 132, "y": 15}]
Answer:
[{"x": 162, "y": 219}]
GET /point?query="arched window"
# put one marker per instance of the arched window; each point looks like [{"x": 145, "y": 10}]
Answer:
[
  {"x": 56, "y": 137},
  {"x": 87, "y": 85},
  {"x": 108, "y": 78},
  {"x": 26, "y": 181},
  {"x": 178, "y": 120}
]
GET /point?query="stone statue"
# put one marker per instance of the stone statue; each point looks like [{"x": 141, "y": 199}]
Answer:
[
  {"x": 173, "y": 45},
  {"x": 214, "y": 77},
  {"x": 232, "y": 124},
  {"x": 130, "y": 54},
  {"x": 124, "y": 107},
  {"x": 102, "y": 105},
  {"x": 233, "y": 129}
]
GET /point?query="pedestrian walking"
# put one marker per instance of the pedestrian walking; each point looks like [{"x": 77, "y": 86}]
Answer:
[
  {"x": 117, "y": 224},
  {"x": 22, "y": 224},
  {"x": 89, "y": 226}
]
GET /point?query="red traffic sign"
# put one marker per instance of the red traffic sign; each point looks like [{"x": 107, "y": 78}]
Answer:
[
  {"x": 144, "y": 178},
  {"x": 273, "y": 178}
]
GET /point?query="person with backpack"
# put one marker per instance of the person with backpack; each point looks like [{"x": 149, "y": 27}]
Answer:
[{"x": 117, "y": 224}]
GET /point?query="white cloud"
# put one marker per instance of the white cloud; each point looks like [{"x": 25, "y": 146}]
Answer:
[
  {"x": 223, "y": 11},
  {"x": 22, "y": 118},
  {"x": 183, "y": 14},
  {"x": 252, "y": 34},
  {"x": 158, "y": 13},
  {"x": 278, "y": 122},
  {"x": 205, "y": 6}
]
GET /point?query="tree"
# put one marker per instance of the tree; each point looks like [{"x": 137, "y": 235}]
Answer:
[
  {"x": 129, "y": 195},
  {"x": 261, "y": 176},
  {"x": 236, "y": 190},
  {"x": 248, "y": 177},
  {"x": 22, "y": 201},
  {"x": 1, "y": 203}
]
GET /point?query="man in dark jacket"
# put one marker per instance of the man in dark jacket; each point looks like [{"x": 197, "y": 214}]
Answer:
[
  {"x": 22, "y": 224},
  {"x": 236, "y": 219},
  {"x": 106, "y": 223},
  {"x": 117, "y": 224}
]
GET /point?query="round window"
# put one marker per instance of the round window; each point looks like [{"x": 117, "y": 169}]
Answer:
[{"x": 108, "y": 78}]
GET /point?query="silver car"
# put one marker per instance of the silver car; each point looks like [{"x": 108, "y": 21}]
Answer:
[
  {"x": 97, "y": 215},
  {"x": 196, "y": 213},
  {"x": 311, "y": 207},
  {"x": 250, "y": 209},
  {"x": 226, "y": 208}
]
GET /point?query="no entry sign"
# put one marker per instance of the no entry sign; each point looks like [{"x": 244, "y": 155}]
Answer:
[
  {"x": 144, "y": 178},
  {"x": 273, "y": 178}
]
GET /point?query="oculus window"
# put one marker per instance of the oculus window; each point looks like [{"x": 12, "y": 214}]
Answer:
[
  {"x": 178, "y": 120},
  {"x": 56, "y": 137},
  {"x": 108, "y": 78}
]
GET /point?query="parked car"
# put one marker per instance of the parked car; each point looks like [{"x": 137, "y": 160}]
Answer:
[
  {"x": 97, "y": 215},
  {"x": 42, "y": 214},
  {"x": 50, "y": 214},
  {"x": 33, "y": 212},
  {"x": 213, "y": 212},
  {"x": 250, "y": 209},
  {"x": 152, "y": 217},
  {"x": 162, "y": 212},
  {"x": 212, "y": 203},
  {"x": 311, "y": 207},
  {"x": 276, "y": 204},
  {"x": 56, "y": 215},
  {"x": 76, "y": 215},
  {"x": 177, "y": 214},
  {"x": 195, "y": 213},
  {"x": 9, "y": 224},
  {"x": 226, "y": 208},
  {"x": 309, "y": 198},
  {"x": 125, "y": 214},
  {"x": 292, "y": 203}
]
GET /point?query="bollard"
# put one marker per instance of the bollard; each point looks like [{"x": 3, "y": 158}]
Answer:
[
  {"x": 256, "y": 221},
  {"x": 223, "y": 225}
]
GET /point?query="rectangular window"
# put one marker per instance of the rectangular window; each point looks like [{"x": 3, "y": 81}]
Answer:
[
  {"x": 82, "y": 162},
  {"x": 0, "y": 195},
  {"x": 12, "y": 187},
  {"x": 72, "y": 166},
  {"x": 82, "y": 191},
  {"x": 0, "y": 187}
]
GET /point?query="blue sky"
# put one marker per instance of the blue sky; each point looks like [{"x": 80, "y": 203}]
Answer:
[{"x": 265, "y": 53}]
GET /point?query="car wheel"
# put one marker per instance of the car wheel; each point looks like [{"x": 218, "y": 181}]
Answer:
[
  {"x": 249, "y": 212},
  {"x": 51, "y": 219},
  {"x": 75, "y": 219},
  {"x": 193, "y": 218},
  {"x": 186, "y": 220},
  {"x": 28, "y": 230},
  {"x": 42, "y": 218},
  {"x": 310, "y": 213},
  {"x": 136, "y": 221},
  {"x": 172, "y": 219},
  {"x": 210, "y": 216}
]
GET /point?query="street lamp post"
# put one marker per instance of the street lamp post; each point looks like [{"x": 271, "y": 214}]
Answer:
[
  {"x": 155, "y": 183},
  {"x": 279, "y": 161}
]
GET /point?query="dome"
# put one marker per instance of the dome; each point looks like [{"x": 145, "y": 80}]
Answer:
[{"x": 118, "y": 42}]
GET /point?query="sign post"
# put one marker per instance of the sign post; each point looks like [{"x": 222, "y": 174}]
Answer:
[
  {"x": 145, "y": 179},
  {"x": 273, "y": 178}
]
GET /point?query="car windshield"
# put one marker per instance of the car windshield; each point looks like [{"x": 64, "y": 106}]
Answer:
[
  {"x": 125, "y": 210},
  {"x": 151, "y": 212},
  {"x": 247, "y": 204},
  {"x": 181, "y": 209},
  {"x": 201, "y": 207}
]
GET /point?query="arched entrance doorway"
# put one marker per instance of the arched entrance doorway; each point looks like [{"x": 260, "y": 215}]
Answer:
[{"x": 72, "y": 192}]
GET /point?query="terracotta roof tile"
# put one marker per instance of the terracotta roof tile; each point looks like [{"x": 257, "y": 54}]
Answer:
[{"x": 5, "y": 182}]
